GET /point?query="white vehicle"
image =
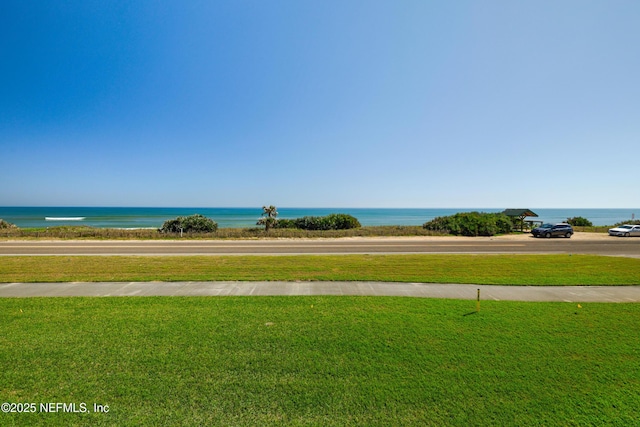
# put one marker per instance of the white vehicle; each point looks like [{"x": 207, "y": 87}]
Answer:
[{"x": 626, "y": 230}]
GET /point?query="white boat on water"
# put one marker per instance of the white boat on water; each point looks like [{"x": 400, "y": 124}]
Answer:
[{"x": 65, "y": 218}]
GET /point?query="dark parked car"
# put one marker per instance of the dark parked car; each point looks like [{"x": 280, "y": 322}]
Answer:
[{"x": 553, "y": 230}]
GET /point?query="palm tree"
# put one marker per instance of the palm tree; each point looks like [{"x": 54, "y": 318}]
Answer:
[{"x": 268, "y": 219}]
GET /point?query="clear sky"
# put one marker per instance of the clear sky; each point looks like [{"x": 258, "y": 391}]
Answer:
[{"x": 320, "y": 103}]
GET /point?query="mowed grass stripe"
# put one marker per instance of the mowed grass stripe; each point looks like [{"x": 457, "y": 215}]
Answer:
[
  {"x": 476, "y": 269},
  {"x": 319, "y": 360}
]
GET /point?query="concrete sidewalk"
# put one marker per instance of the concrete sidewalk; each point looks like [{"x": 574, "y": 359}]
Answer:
[{"x": 423, "y": 290}]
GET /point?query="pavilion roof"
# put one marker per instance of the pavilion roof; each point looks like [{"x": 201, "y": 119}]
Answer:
[{"x": 520, "y": 213}]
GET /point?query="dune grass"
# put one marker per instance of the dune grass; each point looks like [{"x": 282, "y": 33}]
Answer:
[
  {"x": 428, "y": 268},
  {"x": 84, "y": 232},
  {"x": 331, "y": 361}
]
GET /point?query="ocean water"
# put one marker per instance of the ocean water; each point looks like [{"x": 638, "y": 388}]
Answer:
[{"x": 137, "y": 217}]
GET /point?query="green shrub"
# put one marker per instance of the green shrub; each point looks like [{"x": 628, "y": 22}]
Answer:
[
  {"x": 631, "y": 221},
  {"x": 504, "y": 224},
  {"x": 189, "y": 224},
  {"x": 342, "y": 221},
  {"x": 5, "y": 224},
  {"x": 329, "y": 222},
  {"x": 309, "y": 223},
  {"x": 471, "y": 224},
  {"x": 579, "y": 221},
  {"x": 286, "y": 223}
]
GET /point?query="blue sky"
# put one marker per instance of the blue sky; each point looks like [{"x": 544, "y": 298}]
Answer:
[{"x": 487, "y": 104}]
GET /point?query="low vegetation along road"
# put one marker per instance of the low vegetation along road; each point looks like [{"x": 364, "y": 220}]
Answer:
[{"x": 580, "y": 243}]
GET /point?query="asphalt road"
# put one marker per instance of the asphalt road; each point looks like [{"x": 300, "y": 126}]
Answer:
[{"x": 581, "y": 243}]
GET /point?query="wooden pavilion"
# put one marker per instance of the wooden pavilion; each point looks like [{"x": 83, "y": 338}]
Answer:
[{"x": 519, "y": 215}]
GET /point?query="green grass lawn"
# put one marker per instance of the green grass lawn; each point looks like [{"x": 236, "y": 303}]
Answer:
[
  {"x": 320, "y": 360},
  {"x": 476, "y": 269}
]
